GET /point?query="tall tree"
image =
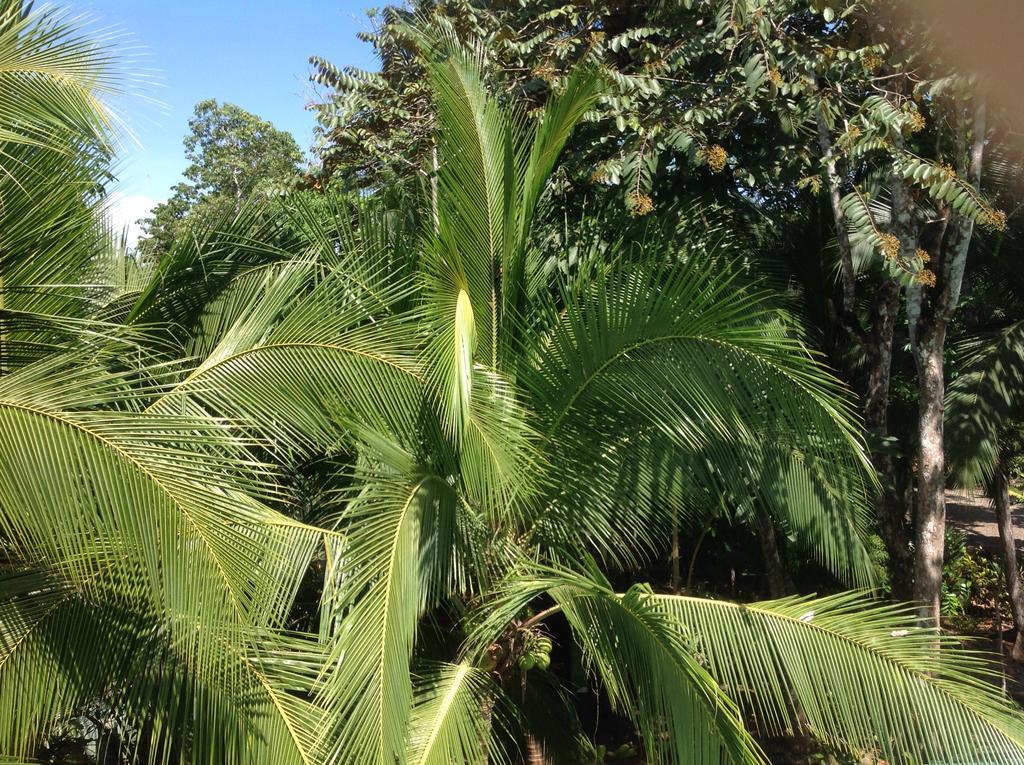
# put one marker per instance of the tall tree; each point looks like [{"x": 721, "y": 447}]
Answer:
[
  {"x": 901, "y": 139},
  {"x": 234, "y": 157}
]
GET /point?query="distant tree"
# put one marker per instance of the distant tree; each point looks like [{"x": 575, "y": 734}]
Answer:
[
  {"x": 378, "y": 126},
  {"x": 234, "y": 156},
  {"x": 167, "y": 218},
  {"x": 235, "y": 153}
]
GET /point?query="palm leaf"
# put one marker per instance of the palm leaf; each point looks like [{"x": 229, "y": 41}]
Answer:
[
  {"x": 451, "y": 718},
  {"x": 982, "y": 400},
  {"x": 375, "y": 609},
  {"x": 861, "y": 674},
  {"x": 645, "y": 663},
  {"x": 53, "y": 80},
  {"x": 225, "y": 695},
  {"x": 649, "y": 359}
]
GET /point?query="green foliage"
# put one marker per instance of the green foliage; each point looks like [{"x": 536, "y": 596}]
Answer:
[
  {"x": 377, "y": 126},
  {"x": 234, "y": 158},
  {"x": 730, "y": 96},
  {"x": 497, "y": 438},
  {"x": 55, "y": 81},
  {"x": 972, "y": 582},
  {"x": 985, "y": 402},
  {"x": 234, "y": 152}
]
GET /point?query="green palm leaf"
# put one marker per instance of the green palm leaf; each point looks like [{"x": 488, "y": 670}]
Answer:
[
  {"x": 295, "y": 355},
  {"x": 376, "y": 606},
  {"x": 157, "y": 519},
  {"x": 691, "y": 361},
  {"x": 226, "y": 694},
  {"x": 982, "y": 400},
  {"x": 450, "y": 722},
  {"x": 862, "y": 675},
  {"x": 645, "y": 662},
  {"x": 53, "y": 80}
]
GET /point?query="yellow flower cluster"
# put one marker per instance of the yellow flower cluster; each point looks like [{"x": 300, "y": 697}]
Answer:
[
  {"x": 639, "y": 204},
  {"x": 599, "y": 174},
  {"x": 715, "y": 157},
  {"x": 872, "y": 61},
  {"x": 925, "y": 277},
  {"x": 775, "y": 77},
  {"x": 994, "y": 219},
  {"x": 812, "y": 182},
  {"x": 597, "y": 37},
  {"x": 923, "y": 255},
  {"x": 947, "y": 170},
  {"x": 890, "y": 246},
  {"x": 544, "y": 72},
  {"x": 847, "y": 139},
  {"x": 915, "y": 122}
]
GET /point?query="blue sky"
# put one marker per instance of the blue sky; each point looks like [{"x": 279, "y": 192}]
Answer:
[{"x": 253, "y": 53}]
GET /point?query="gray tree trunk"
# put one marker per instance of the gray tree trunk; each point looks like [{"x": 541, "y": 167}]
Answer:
[
  {"x": 928, "y": 316},
  {"x": 930, "y": 514},
  {"x": 891, "y": 505},
  {"x": 779, "y": 585}
]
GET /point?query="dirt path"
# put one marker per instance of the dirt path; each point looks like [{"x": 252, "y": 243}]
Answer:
[{"x": 974, "y": 515}]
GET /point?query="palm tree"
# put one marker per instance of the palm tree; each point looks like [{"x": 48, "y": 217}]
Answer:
[
  {"x": 501, "y": 441},
  {"x": 56, "y": 138}
]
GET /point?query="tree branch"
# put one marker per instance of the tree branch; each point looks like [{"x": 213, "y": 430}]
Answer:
[
  {"x": 846, "y": 274},
  {"x": 955, "y": 261}
]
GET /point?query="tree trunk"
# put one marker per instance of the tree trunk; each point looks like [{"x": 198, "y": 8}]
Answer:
[
  {"x": 847, "y": 278},
  {"x": 535, "y": 752},
  {"x": 238, "y": 190},
  {"x": 931, "y": 475},
  {"x": 893, "y": 507},
  {"x": 674, "y": 581},
  {"x": 928, "y": 316},
  {"x": 779, "y": 585},
  {"x": 1000, "y": 491},
  {"x": 891, "y": 504}
]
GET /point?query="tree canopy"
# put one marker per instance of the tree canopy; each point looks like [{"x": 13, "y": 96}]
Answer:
[{"x": 234, "y": 157}]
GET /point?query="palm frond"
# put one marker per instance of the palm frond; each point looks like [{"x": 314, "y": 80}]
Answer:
[
  {"x": 919, "y": 697},
  {"x": 375, "y": 608},
  {"x": 705, "y": 365},
  {"x": 227, "y": 695},
  {"x": 302, "y": 354},
  {"x": 982, "y": 401},
  {"x": 54, "y": 79},
  {"x": 451, "y": 718},
  {"x": 646, "y": 665},
  {"x": 204, "y": 530}
]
